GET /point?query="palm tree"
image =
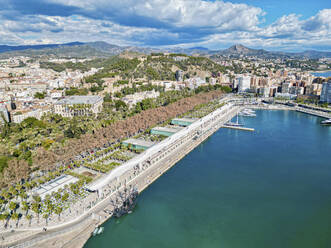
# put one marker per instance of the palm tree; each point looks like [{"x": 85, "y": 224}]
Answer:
[
  {"x": 25, "y": 207},
  {"x": 2, "y": 201},
  {"x": 3, "y": 217},
  {"x": 19, "y": 187},
  {"x": 23, "y": 195},
  {"x": 6, "y": 217},
  {"x": 29, "y": 218},
  {"x": 13, "y": 206},
  {"x": 12, "y": 190},
  {"x": 27, "y": 185},
  {"x": 36, "y": 208},
  {"x": 57, "y": 196},
  {"x": 36, "y": 198},
  {"x": 46, "y": 216},
  {"x": 16, "y": 216},
  {"x": 58, "y": 211}
]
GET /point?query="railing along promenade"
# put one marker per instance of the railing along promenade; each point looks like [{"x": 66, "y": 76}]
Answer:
[{"x": 313, "y": 112}]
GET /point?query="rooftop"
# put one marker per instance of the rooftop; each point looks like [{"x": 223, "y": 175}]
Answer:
[
  {"x": 139, "y": 142},
  {"x": 71, "y": 100},
  {"x": 54, "y": 185},
  {"x": 186, "y": 119},
  {"x": 168, "y": 129}
]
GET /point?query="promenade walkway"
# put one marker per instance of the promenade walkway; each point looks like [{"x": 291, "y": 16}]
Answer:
[
  {"x": 313, "y": 112},
  {"x": 143, "y": 177}
]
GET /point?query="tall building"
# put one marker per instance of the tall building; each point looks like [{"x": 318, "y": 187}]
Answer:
[
  {"x": 78, "y": 106},
  {"x": 244, "y": 83},
  {"x": 286, "y": 87},
  {"x": 264, "y": 91},
  {"x": 326, "y": 92}
]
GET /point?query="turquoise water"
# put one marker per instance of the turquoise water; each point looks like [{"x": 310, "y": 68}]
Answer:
[
  {"x": 322, "y": 74},
  {"x": 265, "y": 189}
]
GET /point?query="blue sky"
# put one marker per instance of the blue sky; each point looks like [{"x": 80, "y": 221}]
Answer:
[
  {"x": 276, "y": 9},
  {"x": 290, "y": 25}
]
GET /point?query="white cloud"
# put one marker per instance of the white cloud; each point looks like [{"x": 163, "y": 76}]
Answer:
[
  {"x": 165, "y": 22},
  {"x": 178, "y": 13}
]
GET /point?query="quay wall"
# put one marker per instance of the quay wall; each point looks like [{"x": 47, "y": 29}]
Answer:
[{"x": 140, "y": 172}]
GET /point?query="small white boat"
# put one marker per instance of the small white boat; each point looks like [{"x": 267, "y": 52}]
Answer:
[
  {"x": 95, "y": 232},
  {"x": 249, "y": 111},
  {"x": 101, "y": 229},
  {"x": 326, "y": 122},
  {"x": 247, "y": 114}
]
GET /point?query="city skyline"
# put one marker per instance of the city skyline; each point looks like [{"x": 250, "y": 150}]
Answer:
[{"x": 272, "y": 25}]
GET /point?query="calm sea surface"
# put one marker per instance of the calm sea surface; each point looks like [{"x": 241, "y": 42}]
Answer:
[
  {"x": 265, "y": 189},
  {"x": 322, "y": 74}
]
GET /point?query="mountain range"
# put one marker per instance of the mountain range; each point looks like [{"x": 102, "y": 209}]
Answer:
[
  {"x": 104, "y": 49},
  {"x": 238, "y": 50}
]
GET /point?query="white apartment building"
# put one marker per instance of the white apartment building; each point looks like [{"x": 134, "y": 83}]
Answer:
[
  {"x": 286, "y": 88},
  {"x": 133, "y": 99},
  {"x": 244, "y": 84},
  {"x": 264, "y": 91},
  {"x": 194, "y": 83},
  {"x": 19, "y": 116},
  {"x": 78, "y": 106}
]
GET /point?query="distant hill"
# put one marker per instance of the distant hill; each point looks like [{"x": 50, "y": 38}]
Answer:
[
  {"x": 314, "y": 54},
  {"x": 5, "y": 48},
  {"x": 238, "y": 50},
  {"x": 104, "y": 49}
]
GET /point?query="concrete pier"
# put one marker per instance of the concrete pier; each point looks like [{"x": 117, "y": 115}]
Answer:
[{"x": 239, "y": 128}]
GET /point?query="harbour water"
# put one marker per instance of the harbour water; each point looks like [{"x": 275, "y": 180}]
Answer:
[
  {"x": 322, "y": 74},
  {"x": 268, "y": 188}
]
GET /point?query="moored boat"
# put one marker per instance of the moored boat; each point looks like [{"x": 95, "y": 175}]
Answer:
[
  {"x": 95, "y": 232},
  {"x": 247, "y": 113},
  {"x": 234, "y": 124},
  {"x": 101, "y": 229},
  {"x": 326, "y": 122}
]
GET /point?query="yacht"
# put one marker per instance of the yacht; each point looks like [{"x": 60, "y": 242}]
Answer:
[
  {"x": 234, "y": 124},
  {"x": 248, "y": 113},
  {"x": 326, "y": 122}
]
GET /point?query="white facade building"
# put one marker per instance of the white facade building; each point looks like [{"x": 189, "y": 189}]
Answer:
[
  {"x": 19, "y": 116},
  {"x": 264, "y": 91},
  {"x": 244, "y": 84},
  {"x": 78, "y": 106},
  {"x": 133, "y": 99},
  {"x": 286, "y": 88}
]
